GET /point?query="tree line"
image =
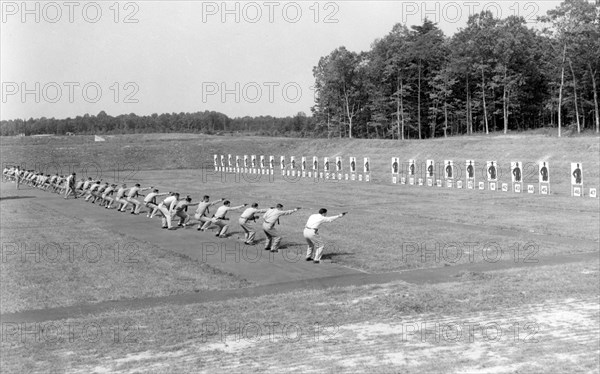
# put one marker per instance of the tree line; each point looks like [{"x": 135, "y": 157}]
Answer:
[
  {"x": 494, "y": 74},
  {"x": 207, "y": 122}
]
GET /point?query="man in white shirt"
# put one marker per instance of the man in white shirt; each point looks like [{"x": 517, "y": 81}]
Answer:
[
  {"x": 166, "y": 208},
  {"x": 220, "y": 217},
  {"x": 270, "y": 218},
  {"x": 70, "y": 186},
  {"x": 247, "y": 220},
  {"x": 311, "y": 234}
]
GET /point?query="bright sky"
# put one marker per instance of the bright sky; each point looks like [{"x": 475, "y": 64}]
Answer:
[{"x": 67, "y": 58}]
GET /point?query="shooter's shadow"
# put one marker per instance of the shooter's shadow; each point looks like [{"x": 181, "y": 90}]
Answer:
[
  {"x": 16, "y": 197},
  {"x": 334, "y": 256}
]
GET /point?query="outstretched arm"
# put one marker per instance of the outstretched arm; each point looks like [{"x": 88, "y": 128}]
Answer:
[
  {"x": 288, "y": 212},
  {"x": 333, "y": 218}
]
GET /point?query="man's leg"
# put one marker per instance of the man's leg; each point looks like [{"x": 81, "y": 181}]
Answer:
[
  {"x": 137, "y": 206},
  {"x": 166, "y": 220},
  {"x": 207, "y": 221},
  {"x": 273, "y": 239},
  {"x": 123, "y": 205},
  {"x": 182, "y": 217},
  {"x": 319, "y": 245},
  {"x": 251, "y": 235},
  {"x": 108, "y": 202},
  {"x": 244, "y": 225},
  {"x": 224, "y": 228},
  {"x": 268, "y": 239},
  {"x": 220, "y": 224},
  {"x": 308, "y": 235}
]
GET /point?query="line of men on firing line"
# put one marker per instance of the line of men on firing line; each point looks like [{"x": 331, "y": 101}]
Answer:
[{"x": 107, "y": 194}]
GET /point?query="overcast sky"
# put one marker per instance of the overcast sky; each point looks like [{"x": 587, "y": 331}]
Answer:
[{"x": 238, "y": 58}]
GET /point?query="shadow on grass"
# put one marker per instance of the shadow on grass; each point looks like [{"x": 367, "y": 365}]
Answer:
[
  {"x": 16, "y": 197},
  {"x": 334, "y": 256}
]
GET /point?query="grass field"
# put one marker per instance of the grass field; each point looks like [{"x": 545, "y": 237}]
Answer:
[{"x": 539, "y": 317}]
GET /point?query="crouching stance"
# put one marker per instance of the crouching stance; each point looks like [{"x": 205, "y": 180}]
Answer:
[
  {"x": 220, "y": 218},
  {"x": 270, "y": 218},
  {"x": 202, "y": 212},
  {"x": 180, "y": 210},
  {"x": 165, "y": 208},
  {"x": 247, "y": 221},
  {"x": 311, "y": 234},
  {"x": 150, "y": 202}
]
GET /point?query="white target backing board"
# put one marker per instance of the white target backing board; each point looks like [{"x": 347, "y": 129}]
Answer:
[
  {"x": 222, "y": 160},
  {"x": 366, "y": 165},
  {"x": 352, "y": 165},
  {"x": 544, "y": 174},
  {"x": 238, "y": 163},
  {"x": 292, "y": 162},
  {"x": 338, "y": 164},
  {"x": 216, "y": 160},
  {"x": 492, "y": 171},
  {"x": 430, "y": 168},
  {"x": 271, "y": 162},
  {"x": 263, "y": 165},
  {"x": 576, "y": 174},
  {"x": 246, "y": 165},
  {"x": 254, "y": 161},
  {"x": 303, "y": 163},
  {"x": 315, "y": 163},
  {"x": 326, "y": 164},
  {"x": 448, "y": 169},
  {"x": 395, "y": 165},
  {"x": 470, "y": 168},
  {"x": 593, "y": 193},
  {"x": 516, "y": 171},
  {"x": 282, "y": 162},
  {"x": 411, "y": 167},
  {"x": 229, "y": 161}
]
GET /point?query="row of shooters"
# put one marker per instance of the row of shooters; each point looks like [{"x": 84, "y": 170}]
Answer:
[{"x": 175, "y": 206}]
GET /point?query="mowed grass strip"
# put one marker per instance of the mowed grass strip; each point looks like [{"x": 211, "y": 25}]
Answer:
[
  {"x": 53, "y": 260},
  {"x": 391, "y": 228},
  {"x": 344, "y": 330}
]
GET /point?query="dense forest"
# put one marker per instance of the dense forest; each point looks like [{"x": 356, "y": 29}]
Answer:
[{"x": 493, "y": 75}]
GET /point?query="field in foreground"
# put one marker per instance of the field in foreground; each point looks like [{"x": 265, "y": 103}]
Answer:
[{"x": 542, "y": 318}]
